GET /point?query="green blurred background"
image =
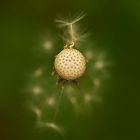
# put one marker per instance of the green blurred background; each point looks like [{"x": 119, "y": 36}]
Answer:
[{"x": 115, "y": 27}]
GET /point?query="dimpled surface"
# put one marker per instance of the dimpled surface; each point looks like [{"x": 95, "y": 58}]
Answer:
[{"x": 70, "y": 64}]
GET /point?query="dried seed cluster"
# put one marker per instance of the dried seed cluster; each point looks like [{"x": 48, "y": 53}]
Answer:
[{"x": 70, "y": 64}]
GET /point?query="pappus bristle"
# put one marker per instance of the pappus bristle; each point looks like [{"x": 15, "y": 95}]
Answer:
[{"x": 72, "y": 32}]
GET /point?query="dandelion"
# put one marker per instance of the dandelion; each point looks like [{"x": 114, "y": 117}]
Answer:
[{"x": 70, "y": 63}]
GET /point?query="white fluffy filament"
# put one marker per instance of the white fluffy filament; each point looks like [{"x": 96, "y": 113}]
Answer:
[{"x": 71, "y": 32}]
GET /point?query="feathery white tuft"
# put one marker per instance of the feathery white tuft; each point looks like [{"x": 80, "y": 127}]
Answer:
[{"x": 71, "y": 32}]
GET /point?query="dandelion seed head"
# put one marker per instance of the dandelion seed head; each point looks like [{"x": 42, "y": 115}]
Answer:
[{"x": 70, "y": 64}]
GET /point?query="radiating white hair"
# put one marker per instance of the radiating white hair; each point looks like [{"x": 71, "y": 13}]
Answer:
[{"x": 72, "y": 32}]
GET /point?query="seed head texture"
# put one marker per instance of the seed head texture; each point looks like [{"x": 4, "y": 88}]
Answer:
[{"x": 70, "y": 64}]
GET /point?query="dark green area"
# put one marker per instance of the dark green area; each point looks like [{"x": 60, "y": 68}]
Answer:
[{"x": 115, "y": 27}]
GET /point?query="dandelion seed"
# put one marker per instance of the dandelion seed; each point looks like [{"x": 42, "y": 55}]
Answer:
[
  {"x": 89, "y": 54},
  {"x": 87, "y": 98},
  {"x": 50, "y": 101},
  {"x": 38, "y": 72},
  {"x": 48, "y": 45},
  {"x": 96, "y": 82},
  {"x": 99, "y": 64},
  {"x": 72, "y": 33},
  {"x": 37, "y": 111},
  {"x": 37, "y": 90}
]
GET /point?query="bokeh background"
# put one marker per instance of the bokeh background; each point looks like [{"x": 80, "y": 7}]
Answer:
[{"x": 114, "y": 28}]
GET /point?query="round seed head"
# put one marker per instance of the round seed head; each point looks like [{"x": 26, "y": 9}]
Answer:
[{"x": 70, "y": 64}]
